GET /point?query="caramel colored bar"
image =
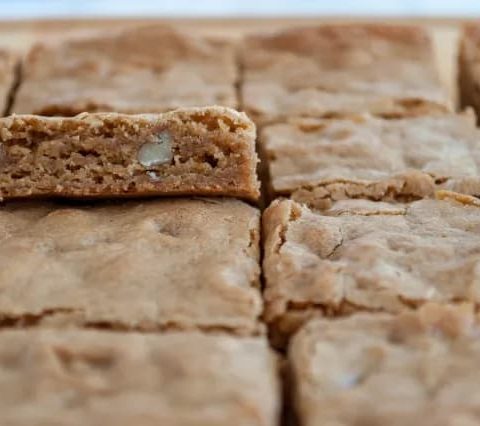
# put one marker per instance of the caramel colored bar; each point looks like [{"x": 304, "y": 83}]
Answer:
[
  {"x": 196, "y": 151},
  {"x": 317, "y": 161},
  {"x": 418, "y": 368},
  {"x": 370, "y": 256},
  {"x": 135, "y": 71},
  {"x": 103, "y": 378},
  {"x": 335, "y": 70},
  {"x": 157, "y": 265}
]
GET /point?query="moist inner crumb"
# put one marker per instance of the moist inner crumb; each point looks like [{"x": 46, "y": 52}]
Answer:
[{"x": 201, "y": 154}]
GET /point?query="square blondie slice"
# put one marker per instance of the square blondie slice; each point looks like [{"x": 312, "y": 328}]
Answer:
[
  {"x": 317, "y": 161},
  {"x": 361, "y": 255},
  {"x": 417, "y": 368},
  {"x": 340, "y": 69},
  {"x": 8, "y": 63},
  {"x": 138, "y": 70},
  {"x": 154, "y": 265},
  {"x": 102, "y": 378},
  {"x": 469, "y": 67},
  {"x": 191, "y": 151}
]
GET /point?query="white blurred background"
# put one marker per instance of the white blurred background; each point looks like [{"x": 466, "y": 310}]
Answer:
[{"x": 27, "y": 9}]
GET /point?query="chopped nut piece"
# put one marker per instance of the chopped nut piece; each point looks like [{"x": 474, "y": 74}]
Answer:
[{"x": 156, "y": 153}]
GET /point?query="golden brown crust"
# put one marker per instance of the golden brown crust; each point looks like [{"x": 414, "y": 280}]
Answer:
[
  {"x": 208, "y": 151},
  {"x": 130, "y": 265},
  {"x": 337, "y": 70},
  {"x": 361, "y": 255},
  {"x": 455, "y": 196},
  {"x": 145, "y": 69},
  {"x": 102, "y": 378},
  {"x": 343, "y": 369}
]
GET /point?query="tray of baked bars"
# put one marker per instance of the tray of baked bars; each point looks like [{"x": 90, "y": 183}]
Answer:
[{"x": 239, "y": 223}]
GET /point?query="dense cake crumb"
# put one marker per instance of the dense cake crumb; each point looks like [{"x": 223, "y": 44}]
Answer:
[{"x": 196, "y": 151}]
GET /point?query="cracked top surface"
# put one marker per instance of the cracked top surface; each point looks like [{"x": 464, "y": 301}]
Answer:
[
  {"x": 373, "y": 158},
  {"x": 103, "y": 378},
  {"x": 144, "y": 69},
  {"x": 363, "y": 255},
  {"x": 340, "y": 69},
  {"x": 376, "y": 369},
  {"x": 129, "y": 265}
]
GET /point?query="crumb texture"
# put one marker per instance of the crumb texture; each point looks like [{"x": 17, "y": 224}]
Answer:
[
  {"x": 366, "y": 256},
  {"x": 341, "y": 69},
  {"x": 130, "y": 266},
  {"x": 319, "y": 160},
  {"x": 376, "y": 369},
  {"x": 191, "y": 151},
  {"x": 144, "y": 69},
  {"x": 104, "y": 378}
]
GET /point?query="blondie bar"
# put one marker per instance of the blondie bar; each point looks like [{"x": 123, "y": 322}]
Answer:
[
  {"x": 138, "y": 70},
  {"x": 361, "y": 255},
  {"x": 418, "y": 368},
  {"x": 340, "y": 69},
  {"x": 149, "y": 266},
  {"x": 192, "y": 151},
  {"x": 102, "y": 378},
  {"x": 316, "y": 161}
]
